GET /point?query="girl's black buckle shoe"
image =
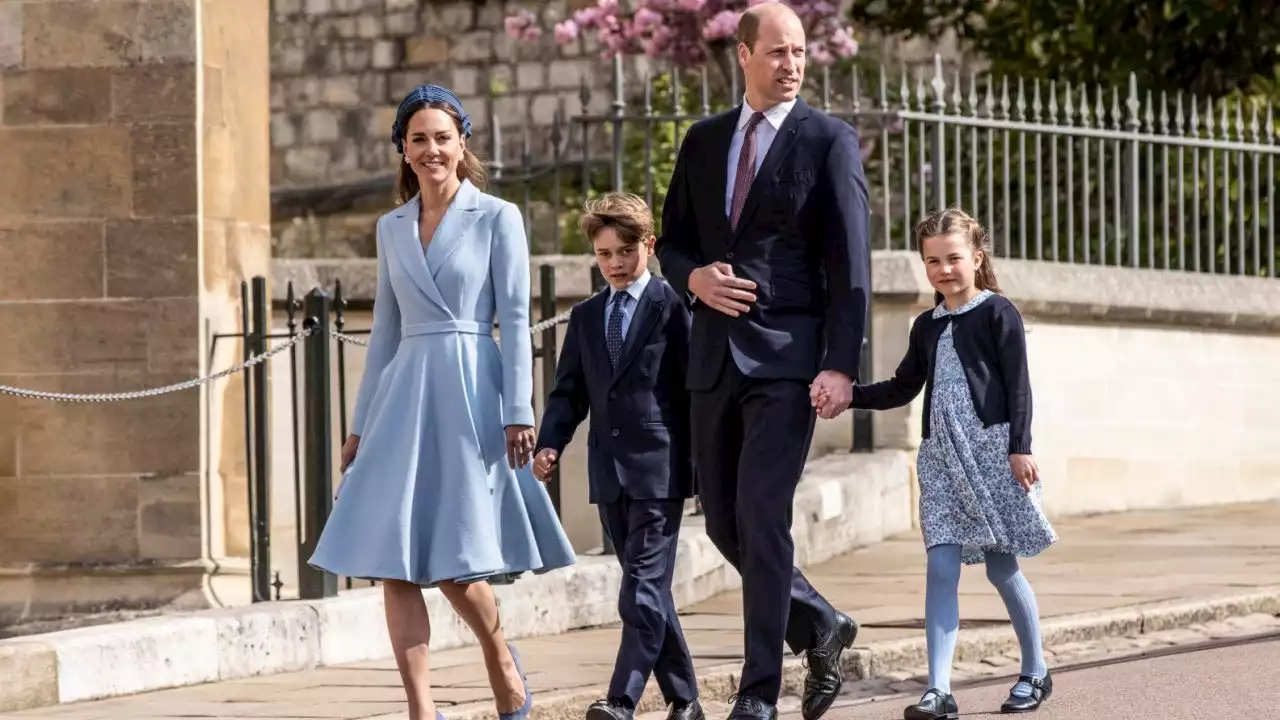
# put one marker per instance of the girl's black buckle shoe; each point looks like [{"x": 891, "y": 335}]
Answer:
[
  {"x": 1040, "y": 691},
  {"x": 934, "y": 705}
]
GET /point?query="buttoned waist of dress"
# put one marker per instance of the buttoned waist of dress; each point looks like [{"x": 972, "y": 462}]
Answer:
[{"x": 441, "y": 327}]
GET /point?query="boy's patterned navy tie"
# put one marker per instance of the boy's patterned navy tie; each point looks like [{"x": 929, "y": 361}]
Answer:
[{"x": 613, "y": 333}]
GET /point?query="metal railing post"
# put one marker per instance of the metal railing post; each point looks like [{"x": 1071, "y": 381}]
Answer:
[
  {"x": 547, "y": 354},
  {"x": 318, "y": 491},
  {"x": 260, "y": 509}
]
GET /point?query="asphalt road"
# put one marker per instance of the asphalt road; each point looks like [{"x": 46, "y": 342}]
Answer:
[{"x": 1224, "y": 683}]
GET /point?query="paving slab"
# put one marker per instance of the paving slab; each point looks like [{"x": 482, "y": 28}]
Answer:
[{"x": 1121, "y": 576}]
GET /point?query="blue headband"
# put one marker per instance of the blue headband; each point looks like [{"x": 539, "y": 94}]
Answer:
[{"x": 418, "y": 97}]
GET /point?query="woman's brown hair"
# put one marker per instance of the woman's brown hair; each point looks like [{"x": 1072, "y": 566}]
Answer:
[
  {"x": 469, "y": 168},
  {"x": 956, "y": 221}
]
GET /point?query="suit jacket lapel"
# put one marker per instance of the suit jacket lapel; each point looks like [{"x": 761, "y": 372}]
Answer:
[
  {"x": 595, "y": 308},
  {"x": 722, "y": 138},
  {"x": 454, "y": 227},
  {"x": 648, "y": 310},
  {"x": 781, "y": 147},
  {"x": 408, "y": 248}
]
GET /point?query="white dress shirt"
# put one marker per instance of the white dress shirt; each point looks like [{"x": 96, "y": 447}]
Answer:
[{"x": 766, "y": 131}]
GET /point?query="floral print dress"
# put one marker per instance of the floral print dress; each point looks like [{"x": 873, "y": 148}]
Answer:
[{"x": 968, "y": 495}]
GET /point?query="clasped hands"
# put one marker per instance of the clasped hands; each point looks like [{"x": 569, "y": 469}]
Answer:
[{"x": 831, "y": 391}]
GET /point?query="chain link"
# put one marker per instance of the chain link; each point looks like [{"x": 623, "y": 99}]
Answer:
[
  {"x": 136, "y": 394},
  {"x": 262, "y": 357}
]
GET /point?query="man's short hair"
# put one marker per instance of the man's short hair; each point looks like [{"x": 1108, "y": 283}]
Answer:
[
  {"x": 749, "y": 29},
  {"x": 626, "y": 213}
]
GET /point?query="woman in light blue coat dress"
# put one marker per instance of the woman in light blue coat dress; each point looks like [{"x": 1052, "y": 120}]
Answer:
[{"x": 438, "y": 491}]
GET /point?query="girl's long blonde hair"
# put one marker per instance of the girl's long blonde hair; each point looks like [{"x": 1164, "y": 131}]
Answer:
[{"x": 955, "y": 220}]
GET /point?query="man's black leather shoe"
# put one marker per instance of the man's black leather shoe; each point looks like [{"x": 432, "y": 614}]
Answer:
[
  {"x": 610, "y": 709},
  {"x": 1040, "y": 691},
  {"x": 688, "y": 711},
  {"x": 934, "y": 705},
  {"x": 825, "y": 674},
  {"x": 746, "y": 707}
]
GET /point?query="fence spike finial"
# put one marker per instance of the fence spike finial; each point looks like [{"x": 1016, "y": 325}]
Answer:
[
  {"x": 957, "y": 98},
  {"x": 1225, "y": 125},
  {"x": 1194, "y": 122},
  {"x": 1164, "y": 113},
  {"x": 855, "y": 95},
  {"x": 1084, "y": 106},
  {"x": 1117, "y": 117},
  {"x": 1036, "y": 106},
  {"x": 1208, "y": 118},
  {"x": 1271, "y": 126},
  {"x": 706, "y": 92},
  {"x": 905, "y": 90},
  {"x": 1020, "y": 105},
  {"x": 1053, "y": 102},
  {"x": 1100, "y": 107},
  {"x": 1240, "y": 119},
  {"x": 939, "y": 84},
  {"x": 1178, "y": 115},
  {"x": 1254, "y": 128},
  {"x": 973, "y": 93},
  {"x": 1004, "y": 97},
  {"x": 1133, "y": 104},
  {"x": 1149, "y": 118}
]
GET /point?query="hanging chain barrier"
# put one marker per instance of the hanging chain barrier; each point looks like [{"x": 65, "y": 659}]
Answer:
[
  {"x": 262, "y": 357},
  {"x": 138, "y": 394}
]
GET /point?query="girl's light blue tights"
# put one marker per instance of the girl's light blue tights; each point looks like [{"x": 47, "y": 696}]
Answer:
[{"x": 942, "y": 613}]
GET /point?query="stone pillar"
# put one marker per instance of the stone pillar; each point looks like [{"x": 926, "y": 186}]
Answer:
[{"x": 134, "y": 198}]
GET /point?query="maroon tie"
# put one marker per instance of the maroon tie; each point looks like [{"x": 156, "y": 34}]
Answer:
[{"x": 746, "y": 169}]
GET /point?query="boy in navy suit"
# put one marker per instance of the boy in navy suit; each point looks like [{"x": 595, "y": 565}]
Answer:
[{"x": 623, "y": 361}]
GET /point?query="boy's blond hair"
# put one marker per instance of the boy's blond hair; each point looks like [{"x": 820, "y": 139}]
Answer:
[{"x": 627, "y": 214}]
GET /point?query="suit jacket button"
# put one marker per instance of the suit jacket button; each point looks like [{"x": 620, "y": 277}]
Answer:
[
  {"x": 613, "y": 394},
  {"x": 614, "y": 432},
  {"x": 728, "y": 255}
]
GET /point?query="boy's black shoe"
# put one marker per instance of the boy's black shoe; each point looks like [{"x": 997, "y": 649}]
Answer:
[
  {"x": 934, "y": 705},
  {"x": 688, "y": 711},
  {"x": 825, "y": 677},
  {"x": 746, "y": 707},
  {"x": 610, "y": 709},
  {"x": 1040, "y": 691}
]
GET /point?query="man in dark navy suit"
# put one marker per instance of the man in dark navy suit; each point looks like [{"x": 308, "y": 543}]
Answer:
[
  {"x": 765, "y": 234},
  {"x": 623, "y": 361}
]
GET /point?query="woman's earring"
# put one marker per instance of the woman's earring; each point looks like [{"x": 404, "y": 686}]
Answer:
[{"x": 406, "y": 160}]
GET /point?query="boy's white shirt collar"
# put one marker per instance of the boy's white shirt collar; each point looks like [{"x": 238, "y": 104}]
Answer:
[{"x": 636, "y": 288}]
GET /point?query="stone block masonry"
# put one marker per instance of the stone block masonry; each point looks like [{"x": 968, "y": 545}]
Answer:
[
  {"x": 130, "y": 209},
  {"x": 340, "y": 67}
]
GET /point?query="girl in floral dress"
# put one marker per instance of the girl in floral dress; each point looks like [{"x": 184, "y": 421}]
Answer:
[{"x": 979, "y": 485}]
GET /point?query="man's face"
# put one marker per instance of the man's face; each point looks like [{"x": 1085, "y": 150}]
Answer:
[{"x": 774, "y": 68}]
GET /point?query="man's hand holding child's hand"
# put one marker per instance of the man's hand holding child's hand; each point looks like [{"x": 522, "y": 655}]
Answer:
[{"x": 543, "y": 463}]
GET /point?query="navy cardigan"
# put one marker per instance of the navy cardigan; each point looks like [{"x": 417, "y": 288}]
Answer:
[{"x": 991, "y": 342}]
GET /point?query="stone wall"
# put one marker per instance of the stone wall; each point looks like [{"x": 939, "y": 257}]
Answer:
[
  {"x": 133, "y": 199},
  {"x": 340, "y": 67}
]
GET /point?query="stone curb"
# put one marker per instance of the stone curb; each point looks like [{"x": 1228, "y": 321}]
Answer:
[
  {"x": 844, "y": 501},
  {"x": 865, "y": 662}
]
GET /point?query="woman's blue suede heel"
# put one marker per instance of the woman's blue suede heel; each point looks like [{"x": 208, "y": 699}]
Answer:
[{"x": 527, "y": 708}]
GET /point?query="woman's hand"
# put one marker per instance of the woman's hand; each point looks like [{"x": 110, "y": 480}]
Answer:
[
  {"x": 1024, "y": 470},
  {"x": 349, "y": 451},
  {"x": 520, "y": 440}
]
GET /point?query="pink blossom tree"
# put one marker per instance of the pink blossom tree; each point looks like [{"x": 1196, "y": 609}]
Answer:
[{"x": 686, "y": 32}]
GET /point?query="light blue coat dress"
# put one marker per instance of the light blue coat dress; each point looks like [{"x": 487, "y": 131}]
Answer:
[{"x": 430, "y": 496}]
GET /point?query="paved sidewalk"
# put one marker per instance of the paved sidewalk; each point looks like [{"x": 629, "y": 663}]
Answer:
[{"x": 1103, "y": 563}]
